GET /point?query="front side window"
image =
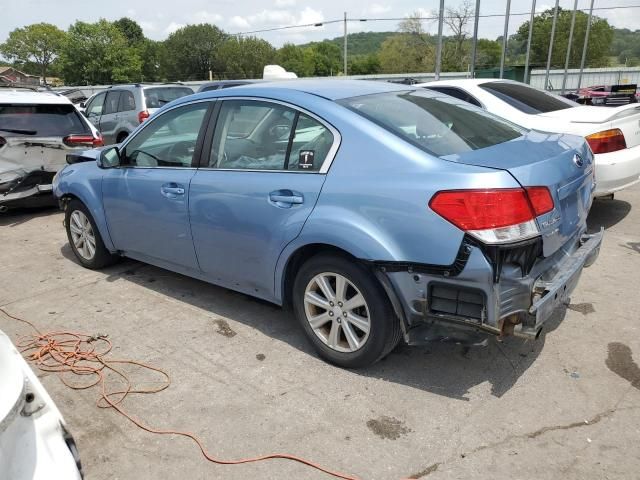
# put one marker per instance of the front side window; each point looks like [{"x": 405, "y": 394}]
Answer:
[
  {"x": 111, "y": 103},
  {"x": 438, "y": 125},
  {"x": 256, "y": 135},
  {"x": 527, "y": 99},
  {"x": 169, "y": 140},
  {"x": 95, "y": 106}
]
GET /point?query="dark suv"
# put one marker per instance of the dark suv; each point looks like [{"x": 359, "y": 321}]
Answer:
[{"x": 117, "y": 111}]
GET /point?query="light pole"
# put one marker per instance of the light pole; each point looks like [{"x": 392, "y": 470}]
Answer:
[
  {"x": 526, "y": 61},
  {"x": 505, "y": 37},
  {"x": 566, "y": 60},
  {"x": 553, "y": 33},
  {"x": 474, "y": 47},
  {"x": 586, "y": 43},
  {"x": 439, "y": 47},
  {"x": 345, "y": 44}
]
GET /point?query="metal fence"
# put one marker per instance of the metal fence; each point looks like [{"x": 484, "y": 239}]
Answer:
[{"x": 590, "y": 77}]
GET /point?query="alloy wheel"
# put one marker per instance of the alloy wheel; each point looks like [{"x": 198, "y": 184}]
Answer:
[
  {"x": 337, "y": 312},
  {"x": 82, "y": 235}
]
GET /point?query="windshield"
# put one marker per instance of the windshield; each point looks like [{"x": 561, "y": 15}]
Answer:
[
  {"x": 160, "y": 96},
  {"x": 41, "y": 120},
  {"x": 439, "y": 125},
  {"x": 527, "y": 99}
]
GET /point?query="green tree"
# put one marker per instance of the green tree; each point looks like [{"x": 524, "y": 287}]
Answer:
[
  {"x": 600, "y": 38},
  {"x": 193, "y": 50},
  {"x": 98, "y": 53},
  {"x": 39, "y": 44},
  {"x": 326, "y": 58},
  {"x": 130, "y": 29},
  {"x": 294, "y": 59},
  {"x": 404, "y": 53},
  {"x": 245, "y": 57},
  {"x": 488, "y": 53},
  {"x": 364, "y": 65}
]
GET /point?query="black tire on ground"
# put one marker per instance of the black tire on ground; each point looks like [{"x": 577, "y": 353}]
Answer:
[
  {"x": 102, "y": 257},
  {"x": 384, "y": 332}
]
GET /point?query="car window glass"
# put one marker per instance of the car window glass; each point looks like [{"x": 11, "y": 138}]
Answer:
[
  {"x": 310, "y": 145},
  {"x": 457, "y": 93},
  {"x": 527, "y": 99},
  {"x": 45, "y": 120},
  {"x": 169, "y": 140},
  {"x": 157, "y": 97},
  {"x": 95, "y": 106},
  {"x": 439, "y": 125},
  {"x": 111, "y": 103},
  {"x": 251, "y": 135},
  {"x": 127, "y": 102}
]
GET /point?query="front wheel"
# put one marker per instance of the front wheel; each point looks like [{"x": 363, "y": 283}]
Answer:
[
  {"x": 84, "y": 237},
  {"x": 344, "y": 311}
]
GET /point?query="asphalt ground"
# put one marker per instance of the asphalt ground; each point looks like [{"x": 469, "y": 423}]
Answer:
[{"x": 245, "y": 380}]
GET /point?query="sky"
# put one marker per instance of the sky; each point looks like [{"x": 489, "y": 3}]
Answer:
[{"x": 159, "y": 18}]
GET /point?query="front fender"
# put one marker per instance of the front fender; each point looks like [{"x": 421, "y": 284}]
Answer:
[
  {"x": 84, "y": 181},
  {"x": 340, "y": 228}
]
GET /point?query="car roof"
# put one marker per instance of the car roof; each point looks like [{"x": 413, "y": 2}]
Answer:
[
  {"x": 31, "y": 98},
  {"x": 466, "y": 82},
  {"x": 327, "y": 88}
]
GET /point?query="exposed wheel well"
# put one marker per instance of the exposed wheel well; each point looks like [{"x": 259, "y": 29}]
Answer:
[
  {"x": 121, "y": 136},
  {"x": 299, "y": 257}
]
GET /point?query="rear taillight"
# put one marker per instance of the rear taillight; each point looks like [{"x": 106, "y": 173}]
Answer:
[
  {"x": 143, "y": 115},
  {"x": 607, "y": 141},
  {"x": 494, "y": 215},
  {"x": 83, "y": 141}
]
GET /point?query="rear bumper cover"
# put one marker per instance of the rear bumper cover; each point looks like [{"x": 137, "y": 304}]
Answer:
[
  {"x": 617, "y": 170},
  {"x": 513, "y": 302}
]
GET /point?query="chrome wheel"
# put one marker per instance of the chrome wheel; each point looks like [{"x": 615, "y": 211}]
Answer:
[
  {"x": 82, "y": 236},
  {"x": 337, "y": 312}
]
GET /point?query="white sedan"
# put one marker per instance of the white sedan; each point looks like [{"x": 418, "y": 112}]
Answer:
[{"x": 613, "y": 133}]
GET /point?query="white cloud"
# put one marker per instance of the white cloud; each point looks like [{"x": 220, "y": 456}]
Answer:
[
  {"x": 206, "y": 17},
  {"x": 285, "y": 3},
  {"x": 148, "y": 26},
  {"x": 172, "y": 27},
  {"x": 377, "y": 9},
  {"x": 131, "y": 12},
  {"x": 239, "y": 22}
]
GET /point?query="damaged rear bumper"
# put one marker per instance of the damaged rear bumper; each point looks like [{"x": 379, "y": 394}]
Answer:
[{"x": 492, "y": 293}]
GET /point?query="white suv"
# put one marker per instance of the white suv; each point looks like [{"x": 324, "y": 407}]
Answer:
[{"x": 37, "y": 130}]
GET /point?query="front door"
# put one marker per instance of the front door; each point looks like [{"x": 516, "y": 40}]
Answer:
[
  {"x": 256, "y": 188},
  {"x": 146, "y": 199}
]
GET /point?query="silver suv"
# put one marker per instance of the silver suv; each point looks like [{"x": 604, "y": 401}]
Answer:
[{"x": 117, "y": 111}]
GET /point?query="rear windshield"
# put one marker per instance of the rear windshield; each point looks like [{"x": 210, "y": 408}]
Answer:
[
  {"x": 527, "y": 99},
  {"x": 42, "y": 120},
  {"x": 439, "y": 125},
  {"x": 160, "y": 96}
]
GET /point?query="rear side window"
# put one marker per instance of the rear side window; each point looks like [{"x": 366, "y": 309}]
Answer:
[
  {"x": 438, "y": 125},
  {"x": 160, "y": 96},
  {"x": 527, "y": 99},
  {"x": 127, "y": 102},
  {"x": 44, "y": 120}
]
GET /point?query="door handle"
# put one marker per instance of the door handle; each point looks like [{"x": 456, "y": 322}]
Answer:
[
  {"x": 286, "y": 198},
  {"x": 172, "y": 190}
]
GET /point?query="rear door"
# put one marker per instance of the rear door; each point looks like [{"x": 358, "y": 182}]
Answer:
[
  {"x": 255, "y": 188},
  {"x": 146, "y": 199},
  {"x": 109, "y": 118}
]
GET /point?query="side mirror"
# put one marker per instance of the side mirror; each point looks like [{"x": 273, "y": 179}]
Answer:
[{"x": 109, "y": 157}]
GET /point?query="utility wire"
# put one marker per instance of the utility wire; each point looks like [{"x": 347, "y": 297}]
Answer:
[{"x": 397, "y": 19}]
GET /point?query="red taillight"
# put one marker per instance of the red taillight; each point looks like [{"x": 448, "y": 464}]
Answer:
[
  {"x": 540, "y": 199},
  {"x": 83, "y": 141},
  {"x": 143, "y": 115},
  {"x": 607, "y": 141},
  {"x": 483, "y": 209}
]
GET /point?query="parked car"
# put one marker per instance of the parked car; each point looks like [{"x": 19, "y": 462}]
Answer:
[
  {"x": 380, "y": 212},
  {"x": 118, "y": 110},
  {"x": 220, "y": 84},
  {"x": 607, "y": 95},
  {"x": 76, "y": 95},
  {"x": 35, "y": 443},
  {"x": 612, "y": 133},
  {"x": 37, "y": 130}
]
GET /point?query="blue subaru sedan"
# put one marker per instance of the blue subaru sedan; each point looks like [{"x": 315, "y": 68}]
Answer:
[{"x": 381, "y": 213}]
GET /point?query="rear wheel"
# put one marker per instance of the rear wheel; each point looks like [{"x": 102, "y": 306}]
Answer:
[
  {"x": 344, "y": 311},
  {"x": 84, "y": 237}
]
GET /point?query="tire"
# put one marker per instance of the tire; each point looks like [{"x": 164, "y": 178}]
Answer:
[
  {"x": 340, "y": 335},
  {"x": 84, "y": 237}
]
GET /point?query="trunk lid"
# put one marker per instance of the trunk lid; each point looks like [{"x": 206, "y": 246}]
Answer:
[{"x": 563, "y": 163}]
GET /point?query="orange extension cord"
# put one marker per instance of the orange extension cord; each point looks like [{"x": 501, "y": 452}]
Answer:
[{"x": 76, "y": 353}]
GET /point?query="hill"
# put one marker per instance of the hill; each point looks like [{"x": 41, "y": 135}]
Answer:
[{"x": 362, "y": 43}]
